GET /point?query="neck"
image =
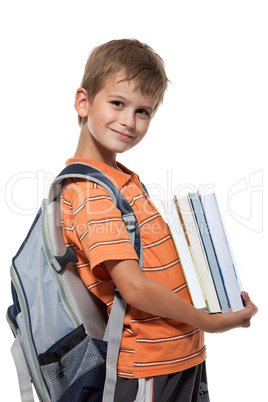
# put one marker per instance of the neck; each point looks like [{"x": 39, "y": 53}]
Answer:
[{"x": 89, "y": 148}]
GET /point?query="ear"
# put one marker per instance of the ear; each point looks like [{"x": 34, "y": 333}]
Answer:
[{"x": 81, "y": 102}]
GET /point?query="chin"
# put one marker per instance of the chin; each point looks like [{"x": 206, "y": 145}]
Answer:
[{"x": 120, "y": 150}]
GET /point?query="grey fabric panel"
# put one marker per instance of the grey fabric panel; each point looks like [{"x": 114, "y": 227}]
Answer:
[
  {"x": 45, "y": 307},
  {"x": 87, "y": 307}
]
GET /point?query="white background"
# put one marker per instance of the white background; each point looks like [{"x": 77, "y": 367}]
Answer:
[{"x": 210, "y": 133}]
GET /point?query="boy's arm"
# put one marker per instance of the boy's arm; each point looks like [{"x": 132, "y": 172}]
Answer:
[{"x": 149, "y": 296}]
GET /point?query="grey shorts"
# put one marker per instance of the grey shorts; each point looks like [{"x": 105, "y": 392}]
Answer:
[{"x": 186, "y": 386}]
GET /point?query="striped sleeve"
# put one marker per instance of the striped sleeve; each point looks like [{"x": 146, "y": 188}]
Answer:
[{"x": 94, "y": 225}]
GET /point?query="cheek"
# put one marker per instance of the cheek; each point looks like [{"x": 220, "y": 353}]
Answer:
[
  {"x": 143, "y": 127},
  {"x": 94, "y": 124}
]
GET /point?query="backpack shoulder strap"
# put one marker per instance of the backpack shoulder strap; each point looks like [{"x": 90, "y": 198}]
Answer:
[
  {"x": 82, "y": 170},
  {"x": 145, "y": 189}
]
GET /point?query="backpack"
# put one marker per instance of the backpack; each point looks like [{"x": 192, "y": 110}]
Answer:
[{"x": 63, "y": 343}]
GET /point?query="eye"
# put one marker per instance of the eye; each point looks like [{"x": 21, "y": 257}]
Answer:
[
  {"x": 143, "y": 112},
  {"x": 117, "y": 103}
]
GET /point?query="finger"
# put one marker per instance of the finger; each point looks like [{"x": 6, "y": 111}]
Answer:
[
  {"x": 245, "y": 297},
  {"x": 249, "y": 311},
  {"x": 247, "y": 323},
  {"x": 250, "y": 308},
  {"x": 248, "y": 302}
]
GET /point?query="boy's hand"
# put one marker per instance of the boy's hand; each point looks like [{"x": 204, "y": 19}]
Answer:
[
  {"x": 224, "y": 322},
  {"x": 250, "y": 307}
]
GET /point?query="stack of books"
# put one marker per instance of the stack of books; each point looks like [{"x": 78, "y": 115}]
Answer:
[{"x": 205, "y": 252}]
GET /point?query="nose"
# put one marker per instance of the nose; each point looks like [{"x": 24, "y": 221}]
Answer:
[{"x": 127, "y": 119}]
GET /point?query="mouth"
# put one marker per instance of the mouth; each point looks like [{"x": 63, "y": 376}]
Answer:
[{"x": 122, "y": 136}]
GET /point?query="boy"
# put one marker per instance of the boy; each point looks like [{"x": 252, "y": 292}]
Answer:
[{"x": 162, "y": 354}]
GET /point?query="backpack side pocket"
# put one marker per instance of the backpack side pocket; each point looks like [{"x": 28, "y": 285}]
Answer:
[{"x": 72, "y": 365}]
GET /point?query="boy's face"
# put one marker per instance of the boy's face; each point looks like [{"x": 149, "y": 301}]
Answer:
[{"x": 119, "y": 117}]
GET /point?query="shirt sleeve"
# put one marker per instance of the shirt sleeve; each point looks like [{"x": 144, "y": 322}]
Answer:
[{"x": 98, "y": 228}]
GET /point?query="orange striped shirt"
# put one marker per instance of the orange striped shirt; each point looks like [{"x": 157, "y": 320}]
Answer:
[{"x": 93, "y": 226}]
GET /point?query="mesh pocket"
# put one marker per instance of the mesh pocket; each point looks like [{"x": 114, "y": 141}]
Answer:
[{"x": 73, "y": 360}]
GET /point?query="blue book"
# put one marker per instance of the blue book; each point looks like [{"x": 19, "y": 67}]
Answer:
[
  {"x": 223, "y": 250},
  {"x": 210, "y": 252}
]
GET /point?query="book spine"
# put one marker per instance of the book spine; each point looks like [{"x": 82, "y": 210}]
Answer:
[
  {"x": 184, "y": 255},
  {"x": 222, "y": 249},
  {"x": 199, "y": 255},
  {"x": 190, "y": 249},
  {"x": 210, "y": 252}
]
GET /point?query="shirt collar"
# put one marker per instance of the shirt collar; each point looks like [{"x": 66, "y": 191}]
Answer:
[{"x": 117, "y": 177}]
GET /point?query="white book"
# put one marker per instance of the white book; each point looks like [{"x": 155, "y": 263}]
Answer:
[
  {"x": 186, "y": 260},
  {"x": 198, "y": 252}
]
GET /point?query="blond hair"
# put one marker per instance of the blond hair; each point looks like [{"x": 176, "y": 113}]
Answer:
[{"x": 136, "y": 60}]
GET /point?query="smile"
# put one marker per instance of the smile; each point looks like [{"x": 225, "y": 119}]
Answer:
[{"x": 122, "y": 136}]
